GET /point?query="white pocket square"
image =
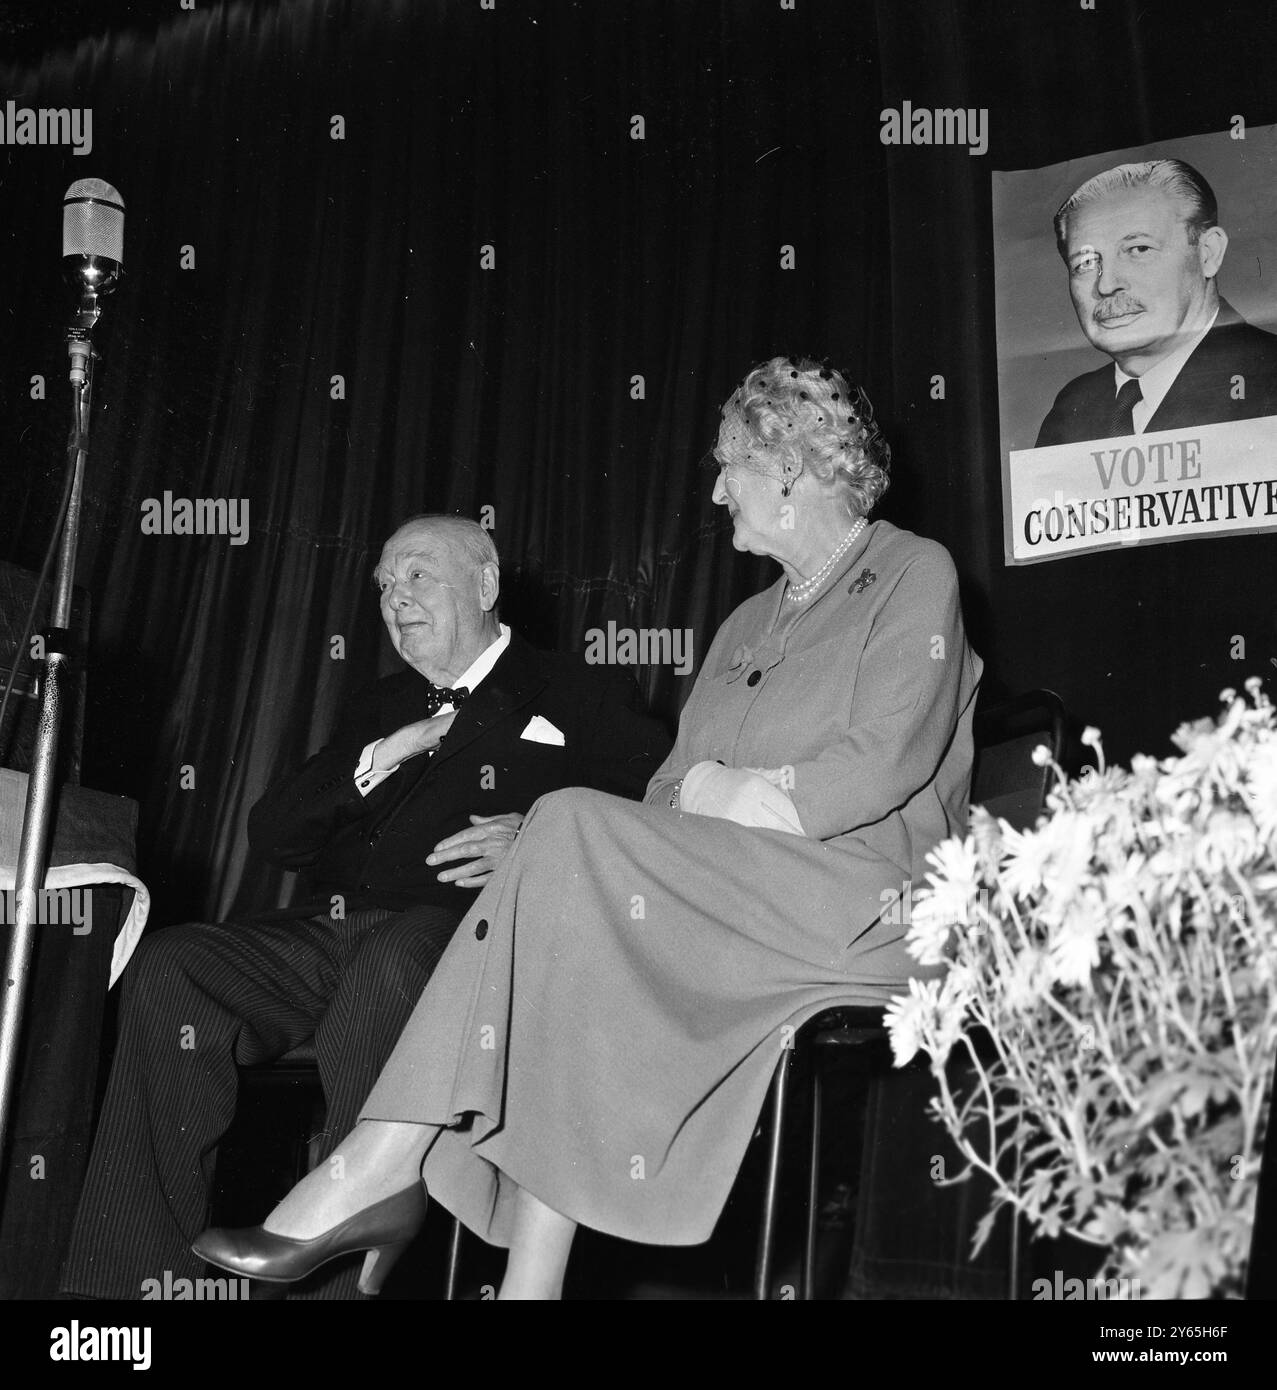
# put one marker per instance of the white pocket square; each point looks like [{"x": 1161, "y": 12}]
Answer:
[{"x": 542, "y": 731}]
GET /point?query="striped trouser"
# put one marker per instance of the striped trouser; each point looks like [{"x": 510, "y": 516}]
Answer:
[{"x": 199, "y": 1000}]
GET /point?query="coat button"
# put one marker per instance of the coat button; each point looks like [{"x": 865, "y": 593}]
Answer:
[
  {"x": 754, "y": 678},
  {"x": 480, "y": 929}
]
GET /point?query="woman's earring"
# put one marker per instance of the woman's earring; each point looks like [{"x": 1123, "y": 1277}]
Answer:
[{"x": 786, "y": 486}]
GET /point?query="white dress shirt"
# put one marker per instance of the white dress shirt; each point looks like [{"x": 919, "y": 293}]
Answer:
[
  {"x": 1159, "y": 379},
  {"x": 366, "y": 778}
]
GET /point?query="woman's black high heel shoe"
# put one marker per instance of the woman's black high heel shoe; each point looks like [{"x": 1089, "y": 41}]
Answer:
[{"x": 385, "y": 1230}]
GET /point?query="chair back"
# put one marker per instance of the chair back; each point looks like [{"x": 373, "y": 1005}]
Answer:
[{"x": 1005, "y": 780}]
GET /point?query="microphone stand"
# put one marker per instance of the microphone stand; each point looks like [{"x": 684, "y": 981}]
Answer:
[{"x": 37, "y": 823}]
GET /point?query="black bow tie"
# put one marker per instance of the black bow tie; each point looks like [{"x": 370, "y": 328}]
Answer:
[{"x": 439, "y": 695}]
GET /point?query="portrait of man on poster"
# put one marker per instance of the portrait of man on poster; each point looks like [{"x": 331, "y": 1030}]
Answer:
[{"x": 1143, "y": 249}]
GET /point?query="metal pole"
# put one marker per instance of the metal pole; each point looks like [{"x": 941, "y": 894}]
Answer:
[{"x": 37, "y": 823}]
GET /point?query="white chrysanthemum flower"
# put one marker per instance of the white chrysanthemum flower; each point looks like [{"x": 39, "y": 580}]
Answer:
[
  {"x": 903, "y": 1030},
  {"x": 1106, "y": 801},
  {"x": 1260, "y": 787},
  {"x": 946, "y": 903},
  {"x": 1069, "y": 843},
  {"x": 1143, "y": 767},
  {"x": 1027, "y": 854},
  {"x": 957, "y": 987},
  {"x": 1228, "y": 840},
  {"x": 950, "y": 1025},
  {"x": 908, "y": 1018},
  {"x": 1124, "y": 884},
  {"x": 1170, "y": 863},
  {"x": 955, "y": 863},
  {"x": 931, "y": 919},
  {"x": 1075, "y": 950},
  {"x": 985, "y": 831},
  {"x": 1021, "y": 992},
  {"x": 1214, "y": 755},
  {"x": 1192, "y": 731}
]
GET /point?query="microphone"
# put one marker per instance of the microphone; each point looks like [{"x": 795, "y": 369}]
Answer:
[{"x": 92, "y": 240}]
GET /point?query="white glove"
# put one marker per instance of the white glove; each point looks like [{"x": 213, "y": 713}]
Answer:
[{"x": 738, "y": 794}]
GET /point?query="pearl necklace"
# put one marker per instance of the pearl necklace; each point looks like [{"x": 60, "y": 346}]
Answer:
[{"x": 800, "y": 593}]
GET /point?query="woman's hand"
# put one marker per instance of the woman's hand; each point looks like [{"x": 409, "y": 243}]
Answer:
[
  {"x": 782, "y": 777},
  {"x": 485, "y": 845},
  {"x": 739, "y": 794}
]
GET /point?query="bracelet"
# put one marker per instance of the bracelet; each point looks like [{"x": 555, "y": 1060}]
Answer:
[{"x": 678, "y": 787}]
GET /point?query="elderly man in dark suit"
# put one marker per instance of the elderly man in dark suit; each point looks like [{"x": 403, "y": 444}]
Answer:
[
  {"x": 1143, "y": 247},
  {"x": 398, "y": 820}
]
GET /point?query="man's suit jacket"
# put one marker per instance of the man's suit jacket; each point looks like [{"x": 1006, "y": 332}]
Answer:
[
  {"x": 372, "y": 850},
  {"x": 1202, "y": 393}
]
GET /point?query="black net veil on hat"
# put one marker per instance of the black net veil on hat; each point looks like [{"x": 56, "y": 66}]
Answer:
[{"x": 861, "y": 440}]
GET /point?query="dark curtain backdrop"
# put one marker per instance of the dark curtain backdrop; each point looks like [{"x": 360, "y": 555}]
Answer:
[{"x": 510, "y": 388}]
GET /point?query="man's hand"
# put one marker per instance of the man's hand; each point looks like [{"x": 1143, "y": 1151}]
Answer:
[
  {"x": 485, "y": 844},
  {"x": 411, "y": 740}
]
